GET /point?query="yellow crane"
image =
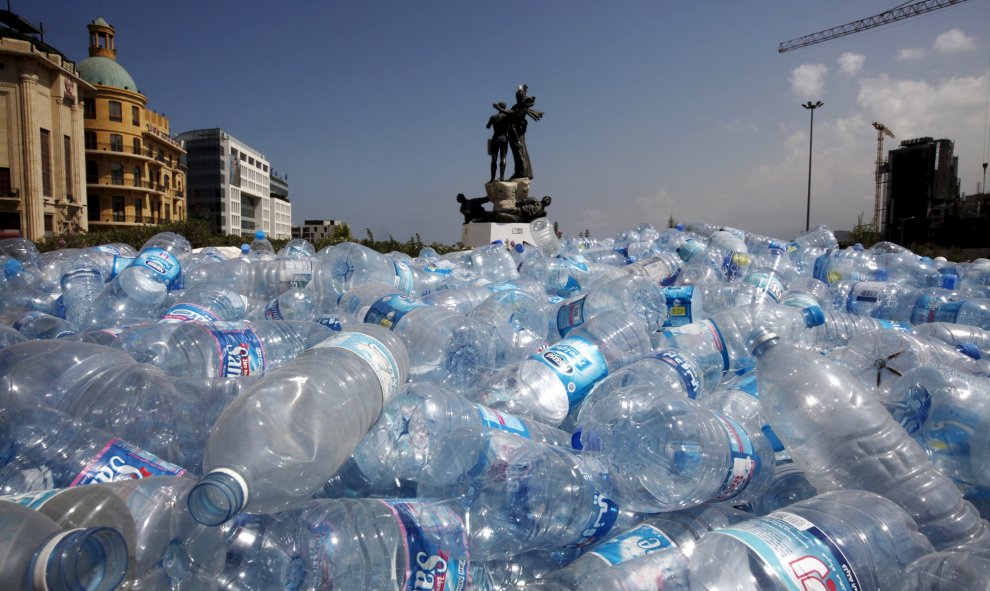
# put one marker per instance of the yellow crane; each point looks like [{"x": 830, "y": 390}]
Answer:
[{"x": 882, "y": 130}]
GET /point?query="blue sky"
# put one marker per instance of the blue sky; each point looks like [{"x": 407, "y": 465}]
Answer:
[{"x": 376, "y": 109}]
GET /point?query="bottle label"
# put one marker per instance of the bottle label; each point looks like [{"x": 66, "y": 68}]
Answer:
[
  {"x": 33, "y": 500},
  {"x": 679, "y": 305},
  {"x": 389, "y": 310},
  {"x": 802, "y": 555},
  {"x": 800, "y": 300},
  {"x": 706, "y": 329},
  {"x": 661, "y": 271},
  {"x": 118, "y": 264},
  {"x": 330, "y": 321},
  {"x": 743, "y": 462},
  {"x": 273, "y": 311},
  {"x": 188, "y": 312},
  {"x": 429, "y": 565},
  {"x": 372, "y": 351},
  {"x": 792, "y": 247},
  {"x": 603, "y": 516},
  {"x": 161, "y": 262},
  {"x": 434, "y": 268},
  {"x": 823, "y": 270},
  {"x": 689, "y": 250},
  {"x": 734, "y": 265},
  {"x": 570, "y": 315},
  {"x": 687, "y": 371},
  {"x": 639, "y": 541},
  {"x": 864, "y": 296},
  {"x": 769, "y": 283},
  {"x": 505, "y": 422},
  {"x": 578, "y": 364},
  {"x": 930, "y": 309},
  {"x": 894, "y": 325},
  {"x": 297, "y": 273},
  {"x": 241, "y": 353},
  {"x": 120, "y": 460},
  {"x": 403, "y": 277}
]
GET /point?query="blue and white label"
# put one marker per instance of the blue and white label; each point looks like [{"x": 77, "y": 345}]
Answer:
[
  {"x": 639, "y": 541},
  {"x": 118, "y": 264},
  {"x": 273, "y": 311},
  {"x": 429, "y": 565},
  {"x": 389, "y": 310},
  {"x": 570, "y": 315},
  {"x": 330, "y": 321},
  {"x": 502, "y": 421},
  {"x": 374, "y": 353},
  {"x": 800, "y": 300},
  {"x": 403, "y": 277},
  {"x": 802, "y": 555},
  {"x": 706, "y": 329},
  {"x": 735, "y": 265},
  {"x": 864, "y": 297},
  {"x": 690, "y": 249},
  {"x": 603, "y": 516},
  {"x": 296, "y": 273},
  {"x": 578, "y": 364},
  {"x": 240, "y": 350},
  {"x": 33, "y": 500},
  {"x": 743, "y": 462},
  {"x": 768, "y": 283},
  {"x": 894, "y": 325},
  {"x": 679, "y": 305},
  {"x": 120, "y": 460},
  {"x": 685, "y": 369},
  {"x": 189, "y": 312},
  {"x": 161, "y": 262}
]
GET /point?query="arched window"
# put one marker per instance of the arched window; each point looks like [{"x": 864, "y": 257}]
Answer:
[
  {"x": 137, "y": 176},
  {"x": 166, "y": 181},
  {"x": 116, "y": 174}
]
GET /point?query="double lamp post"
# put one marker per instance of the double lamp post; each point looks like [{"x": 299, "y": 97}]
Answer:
[{"x": 811, "y": 138}]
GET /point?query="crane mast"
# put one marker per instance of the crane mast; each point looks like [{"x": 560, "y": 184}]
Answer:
[{"x": 889, "y": 16}]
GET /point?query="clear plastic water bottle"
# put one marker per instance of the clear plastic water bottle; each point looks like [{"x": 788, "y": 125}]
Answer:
[
  {"x": 493, "y": 263},
  {"x": 843, "y": 437},
  {"x": 55, "y": 450},
  {"x": 518, "y": 322},
  {"x": 346, "y": 379},
  {"x": 544, "y": 237},
  {"x": 727, "y": 241},
  {"x": 220, "y": 348},
  {"x": 662, "y": 268},
  {"x": 520, "y": 494},
  {"x": 204, "y": 305},
  {"x": 841, "y": 327},
  {"x": 956, "y": 569},
  {"x": 693, "y": 303},
  {"x": 38, "y": 325},
  {"x": 820, "y": 237},
  {"x": 462, "y": 299},
  {"x": 668, "y": 452},
  {"x": 39, "y": 555},
  {"x": 344, "y": 266},
  {"x": 557, "y": 276},
  {"x": 634, "y": 294},
  {"x": 294, "y": 304},
  {"x": 444, "y": 346},
  {"x": 261, "y": 247},
  {"x": 548, "y": 384},
  {"x": 957, "y": 335},
  {"x": 380, "y": 544},
  {"x": 836, "y": 265},
  {"x": 788, "y": 486}
]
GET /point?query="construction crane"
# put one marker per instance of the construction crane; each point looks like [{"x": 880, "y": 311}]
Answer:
[
  {"x": 895, "y": 14},
  {"x": 882, "y": 130}
]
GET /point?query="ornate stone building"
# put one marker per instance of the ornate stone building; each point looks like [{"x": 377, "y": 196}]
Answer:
[
  {"x": 134, "y": 171},
  {"x": 42, "y": 173}
]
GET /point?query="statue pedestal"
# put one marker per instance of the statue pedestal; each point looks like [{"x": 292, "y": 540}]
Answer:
[
  {"x": 479, "y": 234},
  {"x": 505, "y": 194}
]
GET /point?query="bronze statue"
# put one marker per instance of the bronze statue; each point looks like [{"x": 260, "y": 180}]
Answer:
[
  {"x": 499, "y": 142},
  {"x": 473, "y": 210},
  {"x": 516, "y": 117},
  {"x": 527, "y": 210}
]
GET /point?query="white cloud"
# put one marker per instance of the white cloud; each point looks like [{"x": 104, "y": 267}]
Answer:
[
  {"x": 622, "y": 215},
  {"x": 808, "y": 80},
  {"x": 851, "y": 63},
  {"x": 910, "y": 54},
  {"x": 947, "y": 108},
  {"x": 954, "y": 41}
]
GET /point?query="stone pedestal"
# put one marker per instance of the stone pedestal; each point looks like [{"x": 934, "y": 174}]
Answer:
[
  {"x": 505, "y": 194},
  {"x": 479, "y": 234}
]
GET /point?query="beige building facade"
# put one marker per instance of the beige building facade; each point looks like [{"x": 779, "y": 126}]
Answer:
[{"x": 42, "y": 161}]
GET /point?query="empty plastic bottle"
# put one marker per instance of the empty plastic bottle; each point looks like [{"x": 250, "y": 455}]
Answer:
[
  {"x": 634, "y": 294},
  {"x": 261, "y": 248},
  {"x": 693, "y": 303},
  {"x": 38, "y": 325},
  {"x": 788, "y": 486},
  {"x": 294, "y": 304},
  {"x": 957, "y": 335},
  {"x": 958, "y": 569},
  {"x": 38, "y": 555},
  {"x": 346, "y": 380},
  {"x": 518, "y": 322},
  {"x": 346, "y": 265},
  {"x": 843, "y": 437},
  {"x": 548, "y": 384},
  {"x": 493, "y": 263},
  {"x": 205, "y": 305},
  {"x": 220, "y": 348},
  {"x": 558, "y": 276},
  {"x": 544, "y": 237},
  {"x": 840, "y": 328}
]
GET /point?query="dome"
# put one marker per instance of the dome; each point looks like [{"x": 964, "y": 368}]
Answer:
[{"x": 105, "y": 71}]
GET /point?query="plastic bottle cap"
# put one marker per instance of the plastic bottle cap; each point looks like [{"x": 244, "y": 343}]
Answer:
[
  {"x": 499, "y": 242},
  {"x": 950, "y": 281},
  {"x": 14, "y": 267},
  {"x": 881, "y": 275},
  {"x": 259, "y": 235},
  {"x": 679, "y": 227},
  {"x": 245, "y": 248},
  {"x": 760, "y": 337},
  {"x": 814, "y": 316},
  {"x": 969, "y": 350},
  {"x": 520, "y": 248}
]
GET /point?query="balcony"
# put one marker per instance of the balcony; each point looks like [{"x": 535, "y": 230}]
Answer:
[
  {"x": 142, "y": 186},
  {"x": 142, "y": 153},
  {"x": 120, "y": 219},
  {"x": 8, "y": 194}
]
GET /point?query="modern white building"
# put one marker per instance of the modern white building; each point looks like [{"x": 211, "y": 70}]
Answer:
[
  {"x": 229, "y": 186},
  {"x": 316, "y": 230}
]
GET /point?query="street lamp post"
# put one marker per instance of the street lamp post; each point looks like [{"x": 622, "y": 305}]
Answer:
[{"x": 811, "y": 138}]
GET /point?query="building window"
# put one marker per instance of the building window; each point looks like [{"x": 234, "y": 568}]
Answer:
[
  {"x": 90, "y": 138},
  {"x": 49, "y": 224},
  {"x": 135, "y": 116},
  {"x": 137, "y": 146},
  {"x": 116, "y": 174},
  {"x": 46, "y": 163},
  {"x": 138, "y": 217},
  {"x": 166, "y": 182},
  {"x": 93, "y": 205},
  {"x": 118, "y": 209},
  {"x": 116, "y": 142},
  {"x": 67, "y": 148},
  {"x": 92, "y": 172},
  {"x": 115, "y": 111},
  {"x": 137, "y": 176},
  {"x": 89, "y": 108},
  {"x": 5, "y": 189}
]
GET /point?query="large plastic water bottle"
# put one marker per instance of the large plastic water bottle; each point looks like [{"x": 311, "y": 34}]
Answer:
[
  {"x": 836, "y": 265},
  {"x": 668, "y": 452},
  {"x": 901, "y": 302},
  {"x": 544, "y": 237},
  {"x": 380, "y": 544},
  {"x": 548, "y": 384},
  {"x": 957, "y": 335},
  {"x": 38, "y": 325},
  {"x": 221, "y": 348},
  {"x": 843, "y": 437},
  {"x": 693, "y": 303},
  {"x": 663, "y": 268},
  {"x": 81, "y": 281},
  {"x": 294, "y": 304},
  {"x": 788, "y": 486},
  {"x": 520, "y": 494},
  {"x": 54, "y": 450},
  {"x": 261, "y": 247},
  {"x": 633, "y": 294},
  {"x": 346, "y": 380},
  {"x": 957, "y": 569},
  {"x": 444, "y": 346},
  {"x": 204, "y": 305},
  {"x": 343, "y": 266},
  {"x": 37, "y": 554},
  {"x": 518, "y": 322},
  {"x": 558, "y": 276},
  {"x": 493, "y": 263}
]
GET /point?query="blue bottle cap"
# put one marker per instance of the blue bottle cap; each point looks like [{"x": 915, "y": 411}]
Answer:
[
  {"x": 858, "y": 247},
  {"x": 814, "y": 316},
  {"x": 14, "y": 267},
  {"x": 245, "y": 248},
  {"x": 881, "y": 274},
  {"x": 950, "y": 281},
  {"x": 259, "y": 235},
  {"x": 499, "y": 242},
  {"x": 520, "y": 248},
  {"x": 969, "y": 350},
  {"x": 679, "y": 227}
]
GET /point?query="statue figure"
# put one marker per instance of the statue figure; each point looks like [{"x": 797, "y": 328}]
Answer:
[
  {"x": 527, "y": 210},
  {"x": 473, "y": 210},
  {"x": 499, "y": 142},
  {"x": 516, "y": 117}
]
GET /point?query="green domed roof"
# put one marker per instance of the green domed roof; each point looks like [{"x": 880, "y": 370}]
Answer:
[{"x": 105, "y": 71}]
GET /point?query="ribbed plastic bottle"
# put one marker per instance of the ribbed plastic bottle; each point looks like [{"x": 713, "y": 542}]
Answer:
[
  {"x": 81, "y": 281},
  {"x": 518, "y": 322},
  {"x": 37, "y": 554},
  {"x": 843, "y": 437},
  {"x": 693, "y": 303},
  {"x": 261, "y": 247},
  {"x": 564, "y": 277},
  {"x": 344, "y": 266},
  {"x": 444, "y": 346},
  {"x": 293, "y": 304},
  {"x": 633, "y": 294},
  {"x": 667, "y": 452},
  {"x": 548, "y": 384},
  {"x": 220, "y": 348},
  {"x": 205, "y": 305},
  {"x": 344, "y": 381},
  {"x": 841, "y": 327},
  {"x": 957, "y": 335},
  {"x": 544, "y": 237},
  {"x": 957, "y": 569}
]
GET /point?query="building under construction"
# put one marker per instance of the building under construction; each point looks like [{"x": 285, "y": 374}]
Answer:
[{"x": 922, "y": 190}]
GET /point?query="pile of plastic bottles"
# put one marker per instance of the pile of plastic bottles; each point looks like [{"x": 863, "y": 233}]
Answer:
[{"x": 694, "y": 408}]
